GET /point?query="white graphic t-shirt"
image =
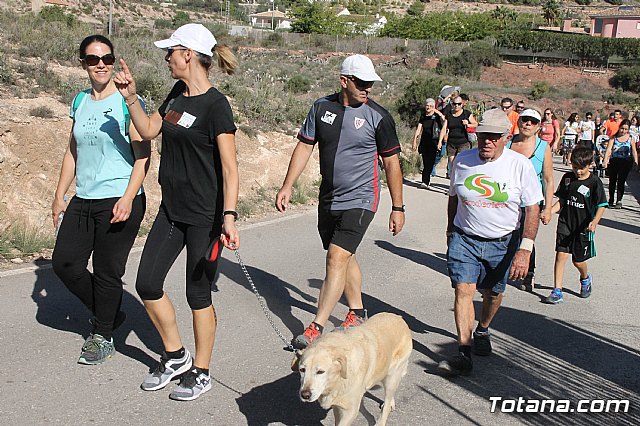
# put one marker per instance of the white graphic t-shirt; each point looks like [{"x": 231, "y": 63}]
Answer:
[
  {"x": 490, "y": 193},
  {"x": 587, "y": 127}
]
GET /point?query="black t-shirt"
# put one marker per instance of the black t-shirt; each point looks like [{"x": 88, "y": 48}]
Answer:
[
  {"x": 457, "y": 131},
  {"x": 580, "y": 200},
  {"x": 431, "y": 125},
  {"x": 190, "y": 168}
]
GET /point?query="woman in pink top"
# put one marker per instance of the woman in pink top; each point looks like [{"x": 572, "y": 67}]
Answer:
[{"x": 550, "y": 129}]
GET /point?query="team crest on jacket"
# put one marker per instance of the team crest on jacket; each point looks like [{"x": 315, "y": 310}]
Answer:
[
  {"x": 359, "y": 122},
  {"x": 328, "y": 117}
]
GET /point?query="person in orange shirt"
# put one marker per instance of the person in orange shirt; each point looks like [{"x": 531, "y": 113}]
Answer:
[
  {"x": 507, "y": 106},
  {"x": 612, "y": 125}
]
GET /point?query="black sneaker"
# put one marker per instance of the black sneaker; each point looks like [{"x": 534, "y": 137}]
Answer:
[
  {"x": 527, "y": 283},
  {"x": 481, "y": 343},
  {"x": 459, "y": 365}
]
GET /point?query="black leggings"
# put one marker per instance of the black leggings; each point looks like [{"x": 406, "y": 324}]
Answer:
[
  {"x": 429, "y": 153},
  {"x": 86, "y": 230},
  {"x": 619, "y": 169},
  {"x": 164, "y": 243}
]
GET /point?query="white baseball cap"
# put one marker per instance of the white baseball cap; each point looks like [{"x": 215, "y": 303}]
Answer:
[
  {"x": 531, "y": 113},
  {"x": 360, "y": 67},
  {"x": 193, "y": 36}
]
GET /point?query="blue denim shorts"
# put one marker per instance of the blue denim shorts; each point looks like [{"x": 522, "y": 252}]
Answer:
[{"x": 483, "y": 261}]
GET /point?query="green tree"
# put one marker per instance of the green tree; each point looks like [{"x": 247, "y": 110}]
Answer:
[
  {"x": 627, "y": 78},
  {"x": 416, "y": 8},
  {"x": 410, "y": 105},
  {"x": 316, "y": 18},
  {"x": 550, "y": 11},
  {"x": 504, "y": 15}
]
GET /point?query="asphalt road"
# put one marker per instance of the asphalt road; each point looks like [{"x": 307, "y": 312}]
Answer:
[{"x": 580, "y": 350}]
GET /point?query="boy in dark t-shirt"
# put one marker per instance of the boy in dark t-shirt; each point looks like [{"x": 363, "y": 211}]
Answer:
[{"x": 581, "y": 203}]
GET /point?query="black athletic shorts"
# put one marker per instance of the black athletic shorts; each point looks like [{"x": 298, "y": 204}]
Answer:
[
  {"x": 580, "y": 245},
  {"x": 344, "y": 228}
]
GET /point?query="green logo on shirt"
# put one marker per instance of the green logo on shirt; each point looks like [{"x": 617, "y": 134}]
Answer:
[{"x": 486, "y": 188}]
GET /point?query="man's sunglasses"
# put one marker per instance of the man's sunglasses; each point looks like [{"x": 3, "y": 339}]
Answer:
[
  {"x": 93, "y": 60},
  {"x": 456, "y": 103},
  {"x": 531, "y": 120},
  {"x": 360, "y": 84},
  {"x": 505, "y": 107},
  {"x": 519, "y": 107}
]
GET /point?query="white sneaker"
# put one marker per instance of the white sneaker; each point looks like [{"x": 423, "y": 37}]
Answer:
[
  {"x": 166, "y": 370},
  {"x": 193, "y": 384}
]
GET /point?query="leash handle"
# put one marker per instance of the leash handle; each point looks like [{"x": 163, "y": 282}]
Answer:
[{"x": 289, "y": 347}]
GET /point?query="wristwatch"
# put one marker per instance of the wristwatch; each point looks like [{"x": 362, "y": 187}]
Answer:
[
  {"x": 232, "y": 213},
  {"x": 397, "y": 209}
]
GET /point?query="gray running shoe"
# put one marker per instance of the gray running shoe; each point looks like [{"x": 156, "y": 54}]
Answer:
[
  {"x": 96, "y": 350},
  {"x": 166, "y": 370},
  {"x": 193, "y": 384}
]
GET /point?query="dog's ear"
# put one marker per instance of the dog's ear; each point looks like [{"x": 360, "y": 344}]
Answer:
[
  {"x": 295, "y": 362},
  {"x": 342, "y": 360}
]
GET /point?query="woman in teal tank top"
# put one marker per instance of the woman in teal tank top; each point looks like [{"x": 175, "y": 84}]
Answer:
[
  {"x": 538, "y": 151},
  {"x": 103, "y": 217}
]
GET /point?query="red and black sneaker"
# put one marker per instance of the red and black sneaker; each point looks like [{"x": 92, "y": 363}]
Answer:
[
  {"x": 310, "y": 334},
  {"x": 352, "y": 320}
]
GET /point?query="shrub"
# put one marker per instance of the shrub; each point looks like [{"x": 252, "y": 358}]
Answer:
[
  {"x": 6, "y": 73},
  {"x": 459, "y": 66},
  {"x": 56, "y": 14},
  {"x": 619, "y": 98},
  {"x": 627, "y": 78},
  {"x": 180, "y": 18},
  {"x": 248, "y": 130},
  {"x": 298, "y": 84},
  {"x": 583, "y": 2},
  {"x": 540, "y": 89},
  {"x": 468, "y": 63},
  {"x": 41, "y": 112},
  {"x": 274, "y": 39},
  {"x": 26, "y": 239},
  {"x": 410, "y": 105}
]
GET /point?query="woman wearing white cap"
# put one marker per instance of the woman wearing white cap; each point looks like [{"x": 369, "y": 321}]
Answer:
[
  {"x": 528, "y": 143},
  {"x": 199, "y": 179}
]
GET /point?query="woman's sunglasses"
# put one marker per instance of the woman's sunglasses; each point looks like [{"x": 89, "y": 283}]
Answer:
[{"x": 93, "y": 60}]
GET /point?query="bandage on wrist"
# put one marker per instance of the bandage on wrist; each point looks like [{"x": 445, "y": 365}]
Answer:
[{"x": 526, "y": 244}]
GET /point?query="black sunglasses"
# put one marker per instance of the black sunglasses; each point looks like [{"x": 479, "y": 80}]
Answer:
[
  {"x": 456, "y": 103},
  {"x": 506, "y": 106},
  {"x": 170, "y": 50},
  {"x": 360, "y": 84},
  {"x": 519, "y": 107},
  {"x": 531, "y": 120},
  {"x": 93, "y": 60}
]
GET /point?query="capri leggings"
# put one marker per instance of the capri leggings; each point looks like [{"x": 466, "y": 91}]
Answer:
[{"x": 164, "y": 243}]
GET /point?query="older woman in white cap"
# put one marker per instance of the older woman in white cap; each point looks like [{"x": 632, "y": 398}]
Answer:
[
  {"x": 199, "y": 179},
  {"x": 527, "y": 143},
  {"x": 488, "y": 186}
]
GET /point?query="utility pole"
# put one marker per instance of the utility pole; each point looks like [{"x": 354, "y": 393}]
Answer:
[
  {"x": 273, "y": 5},
  {"x": 227, "y": 13},
  {"x": 110, "y": 33}
]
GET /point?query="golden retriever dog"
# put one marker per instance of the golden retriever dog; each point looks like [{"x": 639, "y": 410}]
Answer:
[{"x": 339, "y": 367}]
